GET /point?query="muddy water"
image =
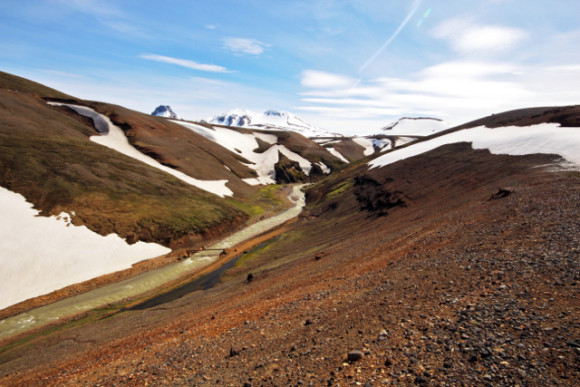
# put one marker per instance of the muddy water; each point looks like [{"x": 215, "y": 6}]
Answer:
[{"x": 144, "y": 282}]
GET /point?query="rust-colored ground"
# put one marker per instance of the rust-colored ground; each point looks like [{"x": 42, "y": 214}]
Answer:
[{"x": 456, "y": 287}]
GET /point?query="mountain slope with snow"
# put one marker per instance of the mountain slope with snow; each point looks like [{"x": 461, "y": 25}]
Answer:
[
  {"x": 114, "y": 138},
  {"x": 62, "y": 253},
  {"x": 122, "y": 179},
  {"x": 269, "y": 120},
  {"x": 50, "y": 155},
  {"x": 164, "y": 111},
  {"x": 265, "y": 149},
  {"x": 547, "y": 138}
]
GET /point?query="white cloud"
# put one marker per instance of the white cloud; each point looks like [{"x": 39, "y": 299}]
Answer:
[
  {"x": 457, "y": 91},
  {"x": 245, "y": 46},
  {"x": 465, "y": 36},
  {"x": 186, "y": 63},
  {"x": 325, "y": 80}
]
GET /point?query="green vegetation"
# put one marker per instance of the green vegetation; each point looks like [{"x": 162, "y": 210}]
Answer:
[
  {"x": 340, "y": 190},
  {"x": 258, "y": 250},
  {"x": 267, "y": 198}
]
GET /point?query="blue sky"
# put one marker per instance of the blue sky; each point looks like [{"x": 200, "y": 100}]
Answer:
[{"x": 346, "y": 66}]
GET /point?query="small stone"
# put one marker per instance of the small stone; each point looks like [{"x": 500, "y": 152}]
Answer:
[
  {"x": 388, "y": 362},
  {"x": 485, "y": 352},
  {"x": 308, "y": 322},
  {"x": 487, "y": 377},
  {"x": 420, "y": 380},
  {"x": 354, "y": 356},
  {"x": 234, "y": 351}
]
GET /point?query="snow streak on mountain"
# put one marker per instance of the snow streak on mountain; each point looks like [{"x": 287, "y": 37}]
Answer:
[
  {"x": 419, "y": 126},
  {"x": 269, "y": 120}
]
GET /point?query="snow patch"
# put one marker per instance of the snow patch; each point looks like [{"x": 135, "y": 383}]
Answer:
[
  {"x": 246, "y": 143},
  {"x": 324, "y": 167},
  {"x": 365, "y": 143},
  {"x": 512, "y": 140},
  {"x": 116, "y": 140},
  {"x": 337, "y": 154},
  {"x": 41, "y": 254}
]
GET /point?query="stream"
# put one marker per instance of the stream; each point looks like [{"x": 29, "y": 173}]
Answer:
[{"x": 132, "y": 287}]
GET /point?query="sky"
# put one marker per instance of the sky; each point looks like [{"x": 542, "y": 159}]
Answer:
[{"x": 346, "y": 66}]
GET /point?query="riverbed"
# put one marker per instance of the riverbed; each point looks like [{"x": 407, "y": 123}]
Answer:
[{"x": 145, "y": 282}]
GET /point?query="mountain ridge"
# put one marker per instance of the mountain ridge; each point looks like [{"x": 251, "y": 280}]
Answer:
[{"x": 269, "y": 120}]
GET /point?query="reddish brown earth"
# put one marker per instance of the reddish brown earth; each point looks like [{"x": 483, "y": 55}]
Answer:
[{"x": 455, "y": 283}]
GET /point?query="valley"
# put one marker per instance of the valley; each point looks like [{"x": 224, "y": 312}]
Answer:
[{"x": 425, "y": 257}]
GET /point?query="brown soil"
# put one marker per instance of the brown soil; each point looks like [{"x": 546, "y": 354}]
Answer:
[{"x": 462, "y": 285}]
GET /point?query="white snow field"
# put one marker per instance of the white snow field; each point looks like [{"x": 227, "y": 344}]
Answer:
[
  {"x": 41, "y": 254},
  {"x": 245, "y": 143},
  {"x": 116, "y": 139},
  {"x": 511, "y": 140}
]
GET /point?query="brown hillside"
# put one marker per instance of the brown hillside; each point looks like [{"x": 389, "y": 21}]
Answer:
[
  {"x": 350, "y": 149},
  {"x": 23, "y": 85},
  {"x": 568, "y": 116},
  {"x": 179, "y": 148}
]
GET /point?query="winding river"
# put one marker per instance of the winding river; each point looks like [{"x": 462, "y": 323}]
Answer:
[{"x": 144, "y": 282}]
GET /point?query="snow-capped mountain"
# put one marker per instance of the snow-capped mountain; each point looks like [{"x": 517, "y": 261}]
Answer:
[
  {"x": 419, "y": 126},
  {"x": 164, "y": 111},
  {"x": 269, "y": 120}
]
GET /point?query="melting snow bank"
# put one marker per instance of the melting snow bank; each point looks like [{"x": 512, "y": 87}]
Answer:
[
  {"x": 118, "y": 291},
  {"x": 113, "y": 137},
  {"x": 512, "y": 140},
  {"x": 39, "y": 254}
]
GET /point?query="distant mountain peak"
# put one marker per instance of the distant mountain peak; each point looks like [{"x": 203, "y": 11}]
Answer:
[
  {"x": 269, "y": 120},
  {"x": 164, "y": 111}
]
